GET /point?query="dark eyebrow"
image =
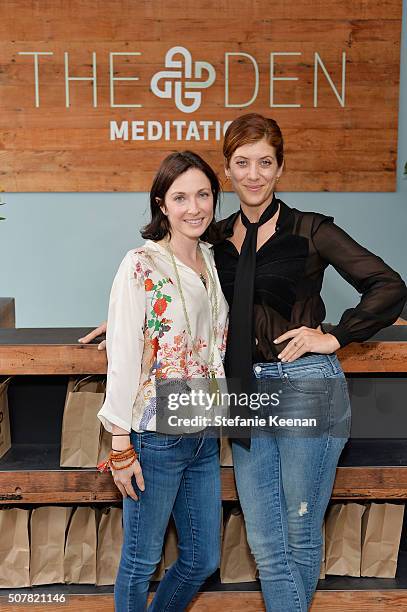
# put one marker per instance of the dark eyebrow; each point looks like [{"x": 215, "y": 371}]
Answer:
[
  {"x": 264, "y": 156},
  {"x": 184, "y": 193}
]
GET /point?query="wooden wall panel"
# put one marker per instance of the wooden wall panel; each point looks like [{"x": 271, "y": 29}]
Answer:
[{"x": 329, "y": 147}]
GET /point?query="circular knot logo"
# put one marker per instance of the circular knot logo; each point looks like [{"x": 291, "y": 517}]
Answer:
[{"x": 182, "y": 78}]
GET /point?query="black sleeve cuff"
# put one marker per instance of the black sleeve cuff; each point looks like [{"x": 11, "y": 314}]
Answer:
[{"x": 340, "y": 332}]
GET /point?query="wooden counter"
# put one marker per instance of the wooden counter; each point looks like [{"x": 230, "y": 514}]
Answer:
[{"x": 56, "y": 351}]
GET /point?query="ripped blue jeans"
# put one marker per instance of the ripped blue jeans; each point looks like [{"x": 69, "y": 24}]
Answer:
[{"x": 285, "y": 480}]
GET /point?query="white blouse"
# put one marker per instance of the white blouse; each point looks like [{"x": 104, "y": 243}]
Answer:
[{"x": 147, "y": 335}]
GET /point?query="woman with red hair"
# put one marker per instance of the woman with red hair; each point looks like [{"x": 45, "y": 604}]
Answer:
[{"x": 271, "y": 260}]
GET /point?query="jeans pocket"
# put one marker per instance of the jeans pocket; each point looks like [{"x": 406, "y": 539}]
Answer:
[
  {"x": 159, "y": 441},
  {"x": 306, "y": 381}
]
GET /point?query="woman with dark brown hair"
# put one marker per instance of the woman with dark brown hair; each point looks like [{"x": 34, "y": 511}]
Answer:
[{"x": 166, "y": 323}]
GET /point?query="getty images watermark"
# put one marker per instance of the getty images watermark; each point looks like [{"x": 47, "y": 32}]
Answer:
[
  {"x": 216, "y": 410},
  {"x": 297, "y": 407}
]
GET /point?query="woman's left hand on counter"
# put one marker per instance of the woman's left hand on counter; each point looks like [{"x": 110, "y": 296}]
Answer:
[
  {"x": 94, "y": 334},
  {"x": 306, "y": 340}
]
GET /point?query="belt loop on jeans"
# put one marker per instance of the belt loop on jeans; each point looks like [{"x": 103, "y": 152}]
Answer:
[
  {"x": 280, "y": 369},
  {"x": 333, "y": 360}
]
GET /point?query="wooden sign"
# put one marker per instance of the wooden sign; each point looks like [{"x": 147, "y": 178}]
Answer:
[{"x": 94, "y": 94}]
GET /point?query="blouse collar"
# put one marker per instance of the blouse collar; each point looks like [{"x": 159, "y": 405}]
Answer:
[
  {"x": 284, "y": 221},
  {"x": 151, "y": 245}
]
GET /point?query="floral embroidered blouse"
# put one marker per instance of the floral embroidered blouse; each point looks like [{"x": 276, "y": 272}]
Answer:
[{"x": 147, "y": 335}]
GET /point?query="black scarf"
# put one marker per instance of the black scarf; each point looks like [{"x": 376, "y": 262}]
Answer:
[{"x": 240, "y": 343}]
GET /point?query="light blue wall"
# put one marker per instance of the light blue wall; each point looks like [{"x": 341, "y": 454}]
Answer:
[{"x": 59, "y": 251}]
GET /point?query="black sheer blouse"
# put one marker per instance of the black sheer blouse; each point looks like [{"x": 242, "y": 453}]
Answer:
[{"x": 289, "y": 273}]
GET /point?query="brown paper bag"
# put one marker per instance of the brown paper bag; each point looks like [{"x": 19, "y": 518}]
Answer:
[
  {"x": 48, "y": 525},
  {"x": 109, "y": 546},
  {"x": 14, "y": 548},
  {"x": 226, "y": 457},
  {"x": 343, "y": 532},
  {"x": 89, "y": 383},
  {"x": 237, "y": 563},
  {"x": 81, "y": 426},
  {"x": 105, "y": 444},
  {"x": 80, "y": 547},
  {"x": 5, "y": 436},
  {"x": 381, "y": 532},
  {"x": 170, "y": 545},
  {"x": 322, "y": 570}
]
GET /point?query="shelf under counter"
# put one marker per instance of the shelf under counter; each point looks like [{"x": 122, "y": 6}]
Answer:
[
  {"x": 370, "y": 452},
  {"x": 57, "y": 351},
  {"x": 33, "y": 469},
  {"x": 334, "y": 594},
  {"x": 46, "y": 482}
]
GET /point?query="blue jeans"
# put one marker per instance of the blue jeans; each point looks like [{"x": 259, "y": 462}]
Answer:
[
  {"x": 285, "y": 480},
  {"x": 182, "y": 477}
]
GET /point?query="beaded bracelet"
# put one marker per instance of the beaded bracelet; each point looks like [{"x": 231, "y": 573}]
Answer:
[
  {"x": 108, "y": 464},
  {"x": 123, "y": 467},
  {"x": 124, "y": 452},
  {"x": 112, "y": 458}
]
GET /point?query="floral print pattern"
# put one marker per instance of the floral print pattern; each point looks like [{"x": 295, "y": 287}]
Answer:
[{"x": 144, "y": 297}]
